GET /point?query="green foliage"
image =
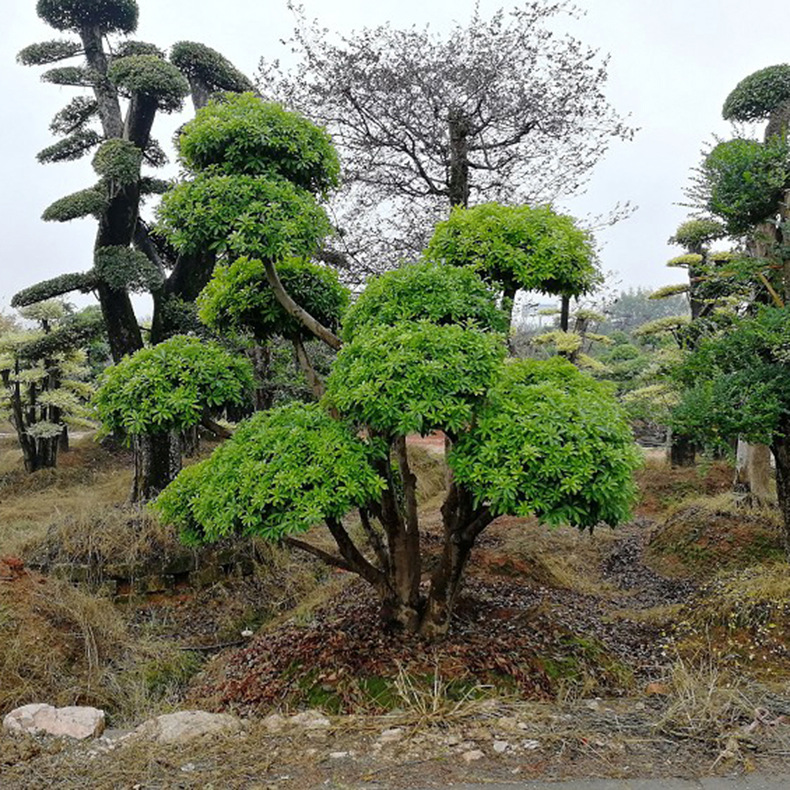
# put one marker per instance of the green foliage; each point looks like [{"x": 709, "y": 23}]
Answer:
[
  {"x": 758, "y": 95},
  {"x": 49, "y": 52},
  {"x": 153, "y": 186},
  {"x": 119, "y": 160},
  {"x": 57, "y": 286},
  {"x": 124, "y": 268},
  {"x": 200, "y": 62},
  {"x": 669, "y": 325},
  {"x": 130, "y": 47},
  {"x": 110, "y": 16},
  {"x": 72, "y": 147},
  {"x": 688, "y": 260},
  {"x": 549, "y": 441},
  {"x": 150, "y": 76},
  {"x": 242, "y": 134},
  {"x": 697, "y": 232},
  {"x": 238, "y": 298},
  {"x": 256, "y": 217},
  {"x": 414, "y": 377},
  {"x": 73, "y": 332},
  {"x": 746, "y": 181},
  {"x": 518, "y": 247},
  {"x": 426, "y": 291},
  {"x": 167, "y": 387},
  {"x": 85, "y": 203},
  {"x": 670, "y": 290},
  {"x": 75, "y": 115},
  {"x": 72, "y": 76},
  {"x": 738, "y": 384},
  {"x": 283, "y": 471}
]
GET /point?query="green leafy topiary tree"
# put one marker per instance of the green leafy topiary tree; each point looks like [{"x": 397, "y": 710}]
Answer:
[
  {"x": 526, "y": 437},
  {"x": 165, "y": 390},
  {"x": 46, "y": 382},
  {"x": 518, "y": 248}
]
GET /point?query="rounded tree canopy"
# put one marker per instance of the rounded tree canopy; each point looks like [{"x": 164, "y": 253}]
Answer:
[
  {"x": 131, "y": 47},
  {"x": 697, "y": 232},
  {"x": 284, "y": 471},
  {"x": 149, "y": 75},
  {"x": 414, "y": 377},
  {"x": 240, "y": 133},
  {"x": 110, "y": 16},
  {"x": 238, "y": 298},
  {"x": 124, "y": 268},
  {"x": 757, "y": 96},
  {"x": 168, "y": 387},
  {"x": 214, "y": 70},
  {"x": 118, "y": 160},
  {"x": 427, "y": 291},
  {"x": 746, "y": 181},
  {"x": 256, "y": 217},
  {"x": 549, "y": 441},
  {"x": 518, "y": 247}
]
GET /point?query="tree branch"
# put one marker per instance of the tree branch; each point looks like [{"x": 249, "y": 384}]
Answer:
[{"x": 324, "y": 556}]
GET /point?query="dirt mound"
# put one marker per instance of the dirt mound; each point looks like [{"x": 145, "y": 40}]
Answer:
[
  {"x": 708, "y": 535},
  {"x": 661, "y": 486}
]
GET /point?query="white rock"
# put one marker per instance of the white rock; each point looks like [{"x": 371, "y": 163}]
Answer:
[
  {"x": 71, "y": 722},
  {"x": 530, "y": 746},
  {"x": 391, "y": 736},
  {"x": 338, "y": 755},
  {"x": 500, "y": 747},
  {"x": 473, "y": 756},
  {"x": 187, "y": 726},
  {"x": 310, "y": 720}
]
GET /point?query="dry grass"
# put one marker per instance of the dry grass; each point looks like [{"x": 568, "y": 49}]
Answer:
[{"x": 703, "y": 535}]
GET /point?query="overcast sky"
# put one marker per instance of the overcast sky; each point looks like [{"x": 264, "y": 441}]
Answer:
[{"x": 672, "y": 65}]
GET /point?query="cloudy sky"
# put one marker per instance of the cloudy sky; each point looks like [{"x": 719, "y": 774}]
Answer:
[{"x": 672, "y": 65}]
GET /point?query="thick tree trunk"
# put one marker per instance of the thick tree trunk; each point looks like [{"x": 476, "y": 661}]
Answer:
[
  {"x": 565, "y": 313},
  {"x": 458, "y": 180},
  {"x": 753, "y": 473},
  {"x": 157, "y": 461},
  {"x": 781, "y": 450},
  {"x": 682, "y": 451}
]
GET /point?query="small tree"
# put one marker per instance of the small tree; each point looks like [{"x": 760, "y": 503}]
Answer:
[
  {"x": 528, "y": 437},
  {"x": 165, "y": 390},
  {"x": 45, "y": 379},
  {"x": 519, "y": 248}
]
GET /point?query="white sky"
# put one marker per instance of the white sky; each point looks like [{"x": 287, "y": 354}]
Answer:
[{"x": 672, "y": 65}]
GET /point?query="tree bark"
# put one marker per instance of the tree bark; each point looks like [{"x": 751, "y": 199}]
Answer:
[
  {"x": 753, "y": 473},
  {"x": 781, "y": 450},
  {"x": 313, "y": 379},
  {"x": 157, "y": 461},
  {"x": 458, "y": 180},
  {"x": 682, "y": 451}
]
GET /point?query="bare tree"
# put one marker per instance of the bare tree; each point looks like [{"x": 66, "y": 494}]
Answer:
[{"x": 500, "y": 109}]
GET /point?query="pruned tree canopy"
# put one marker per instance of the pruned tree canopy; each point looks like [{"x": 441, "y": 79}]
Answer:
[
  {"x": 49, "y": 52},
  {"x": 759, "y": 95},
  {"x": 238, "y": 299},
  {"x": 199, "y": 62},
  {"x": 109, "y": 16},
  {"x": 152, "y": 77}
]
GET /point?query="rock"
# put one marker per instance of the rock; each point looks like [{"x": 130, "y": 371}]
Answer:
[
  {"x": 500, "y": 747},
  {"x": 72, "y": 722},
  {"x": 391, "y": 736},
  {"x": 187, "y": 726},
  {"x": 310, "y": 720},
  {"x": 508, "y": 722},
  {"x": 275, "y": 722},
  {"x": 338, "y": 755},
  {"x": 473, "y": 756},
  {"x": 530, "y": 745}
]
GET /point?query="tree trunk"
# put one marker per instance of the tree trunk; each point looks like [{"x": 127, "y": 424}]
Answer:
[
  {"x": 306, "y": 366},
  {"x": 458, "y": 182},
  {"x": 157, "y": 461},
  {"x": 682, "y": 451},
  {"x": 781, "y": 450},
  {"x": 565, "y": 313},
  {"x": 753, "y": 473}
]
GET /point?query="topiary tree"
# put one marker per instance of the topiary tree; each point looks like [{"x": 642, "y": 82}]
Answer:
[
  {"x": 519, "y": 248},
  {"x": 528, "y": 437},
  {"x": 128, "y": 83},
  {"x": 239, "y": 300},
  {"x": 45, "y": 380},
  {"x": 162, "y": 391}
]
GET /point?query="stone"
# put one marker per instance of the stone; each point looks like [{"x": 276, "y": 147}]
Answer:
[
  {"x": 472, "y": 756},
  {"x": 338, "y": 755},
  {"x": 391, "y": 736},
  {"x": 72, "y": 722},
  {"x": 188, "y": 725},
  {"x": 530, "y": 745},
  {"x": 657, "y": 689},
  {"x": 275, "y": 722},
  {"x": 500, "y": 747},
  {"x": 310, "y": 720}
]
